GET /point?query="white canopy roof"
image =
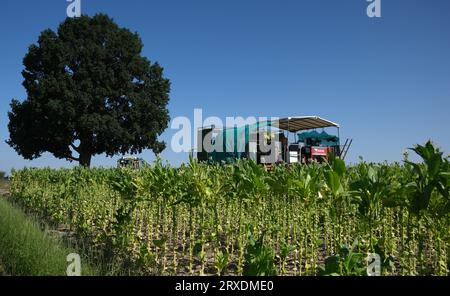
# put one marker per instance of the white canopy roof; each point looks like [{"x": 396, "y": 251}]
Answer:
[{"x": 295, "y": 124}]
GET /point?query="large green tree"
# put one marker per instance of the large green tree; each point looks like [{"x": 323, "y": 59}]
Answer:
[{"x": 90, "y": 91}]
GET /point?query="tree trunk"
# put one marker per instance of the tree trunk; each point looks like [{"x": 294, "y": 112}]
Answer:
[
  {"x": 85, "y": 153},
  {"x": 85, "y": 159}
]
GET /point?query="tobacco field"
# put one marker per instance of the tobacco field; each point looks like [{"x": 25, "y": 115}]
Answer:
[{"x": 240, "y": 219}]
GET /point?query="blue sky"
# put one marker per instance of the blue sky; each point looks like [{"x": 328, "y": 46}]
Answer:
[{"x": 386, "y": 81}]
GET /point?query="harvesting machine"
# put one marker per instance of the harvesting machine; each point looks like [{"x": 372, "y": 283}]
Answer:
[{"x": 288, "y": 140}]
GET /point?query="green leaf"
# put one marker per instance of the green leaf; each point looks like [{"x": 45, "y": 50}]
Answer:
[
  {"x": 339, "y": 166},
  {"x": 334, "y": 183}
]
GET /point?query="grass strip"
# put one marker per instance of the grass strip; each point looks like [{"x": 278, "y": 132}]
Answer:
[{"x": 26, "y": 250}]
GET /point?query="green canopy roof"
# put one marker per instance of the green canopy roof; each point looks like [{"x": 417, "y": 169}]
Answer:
[{"x": 323, "y": 136}]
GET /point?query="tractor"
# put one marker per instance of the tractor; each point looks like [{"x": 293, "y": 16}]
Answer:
[{"x": 131, "y": 162}]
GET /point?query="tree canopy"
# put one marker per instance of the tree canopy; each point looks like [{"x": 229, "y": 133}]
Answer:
[{"x": 89, "y": 91}]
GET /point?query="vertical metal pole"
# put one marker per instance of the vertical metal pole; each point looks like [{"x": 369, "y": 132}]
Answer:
[
  {"x": 258, "y": 139},
  {"x": 247, "y": 140},
  {"x": 289, "y": 129},
  {"x": 224, "y": 141},
  {"x": 235, "y": 133},
  {"x": 339, "y": 141}
]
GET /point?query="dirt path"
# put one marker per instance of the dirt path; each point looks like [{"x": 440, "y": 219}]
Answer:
[
  {"x": 2, "y": 271},
  {"x": 4, "y": 189}
]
